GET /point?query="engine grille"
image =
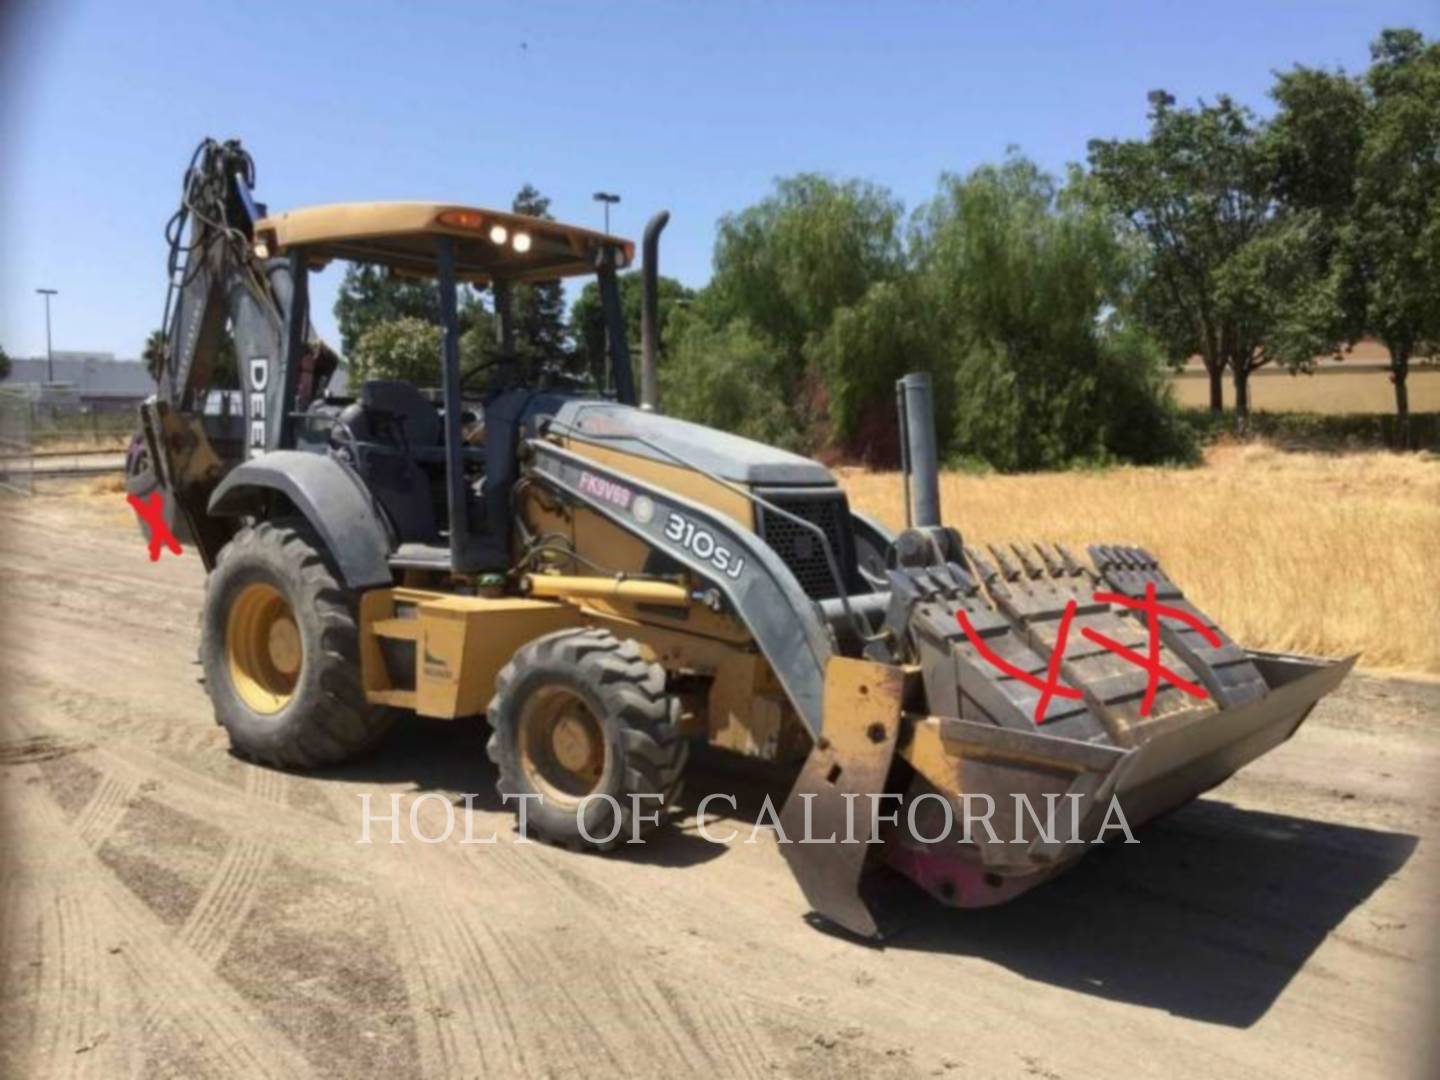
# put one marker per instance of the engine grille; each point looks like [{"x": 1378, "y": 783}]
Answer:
[{"x": 799, "y": 548}]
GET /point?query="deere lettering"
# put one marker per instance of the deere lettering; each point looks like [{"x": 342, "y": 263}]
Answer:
[{"x": 259, "y": 380}]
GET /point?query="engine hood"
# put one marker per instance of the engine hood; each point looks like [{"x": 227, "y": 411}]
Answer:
[{"x": 730, "y": 457}]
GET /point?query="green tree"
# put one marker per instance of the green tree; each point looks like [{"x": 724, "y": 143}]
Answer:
[
  {"x": 1198, "y": 188},
  {"x": 1018, "y": 275},
  {"x": 408, "y": 349},
  {"x": 154, "y": 353},
  {"x": 541, "y": 336},
  {"x": 725, "y": 376},
  {"x": 4, "y": 365},
  {"x": 1300, "y": 264},
  {"x": 789, "y": 262},
  {"x": 587, "y": 320},
  {"x": 1394, "y": 243},
  {"x": 867, "y": 347},
  {"x": 371, "y": 294},
  {"x": 405, "y": 348}
]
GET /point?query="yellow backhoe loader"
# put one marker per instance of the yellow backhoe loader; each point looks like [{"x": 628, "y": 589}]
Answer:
[{"x": 607, "y": 585}]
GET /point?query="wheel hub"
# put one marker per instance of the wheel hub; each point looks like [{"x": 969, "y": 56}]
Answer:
[
  {"x": 263, "y": 648},
  {"x": 284, "y": 643},
  {"x": 573, "y": 745},
  {"x": 562, "y": 749}
]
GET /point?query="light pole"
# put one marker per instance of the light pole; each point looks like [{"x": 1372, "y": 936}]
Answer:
[
  {"x": 49, "y": 353},
  {"x": 609, "y": 200}
]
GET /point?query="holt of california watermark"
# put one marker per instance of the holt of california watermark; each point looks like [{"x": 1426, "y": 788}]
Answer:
[{"x": 929, "y": 818}]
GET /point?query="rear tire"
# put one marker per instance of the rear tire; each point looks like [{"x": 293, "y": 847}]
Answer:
[
  {"x": 578, "y": 715},
  {"x": 280, "y": 647}
]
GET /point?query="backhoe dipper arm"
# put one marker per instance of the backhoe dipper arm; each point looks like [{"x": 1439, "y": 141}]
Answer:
[{"x": 219, "y": 277}]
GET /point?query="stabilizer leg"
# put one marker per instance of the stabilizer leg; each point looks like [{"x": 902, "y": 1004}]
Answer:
[{"x": 834, "y": 794}]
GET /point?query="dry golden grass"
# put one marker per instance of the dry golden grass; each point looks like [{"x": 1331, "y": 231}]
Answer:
[
  {"x": 1325, "y": 554},
  {"x": 83, "y": 444},
  {"x": 1330, "y": 391}
]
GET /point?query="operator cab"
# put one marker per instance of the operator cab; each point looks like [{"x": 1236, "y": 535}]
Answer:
[{"x": 443, "y": 470}]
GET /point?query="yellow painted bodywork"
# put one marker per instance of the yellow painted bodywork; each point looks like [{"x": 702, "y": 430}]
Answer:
[
  {"x": 623, "y": 590},
  {"x": 462, "y": 642},
  {"x": 401, "y": 236},
  {"x": 688, "y": 483}
]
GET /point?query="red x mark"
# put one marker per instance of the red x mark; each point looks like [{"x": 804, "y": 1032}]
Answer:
[
  {"x": 1052, "y": 686},
  {"x": 1155, "y": 670},
  {"x": 152, "y": 513}
]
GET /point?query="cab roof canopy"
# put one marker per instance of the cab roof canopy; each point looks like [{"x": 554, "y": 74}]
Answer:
[{"x": 489, "y": 244}]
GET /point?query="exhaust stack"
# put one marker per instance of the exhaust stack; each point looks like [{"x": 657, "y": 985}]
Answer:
[
  {"x": 919, "y": 455},
  {"x": 650, "y": 312}
]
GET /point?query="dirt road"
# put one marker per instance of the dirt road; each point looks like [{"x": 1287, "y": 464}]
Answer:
[{"x": 168, "y": 909}]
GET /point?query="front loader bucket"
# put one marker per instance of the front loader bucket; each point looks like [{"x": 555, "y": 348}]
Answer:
[
  {"x": 1173, "y": 768},
  {"x": 1006, "y": 787}
]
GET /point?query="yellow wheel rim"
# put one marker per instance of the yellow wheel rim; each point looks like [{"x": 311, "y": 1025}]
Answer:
[
  {"x": 562, "y": 746},
  {"x": 263, "y": 648}
]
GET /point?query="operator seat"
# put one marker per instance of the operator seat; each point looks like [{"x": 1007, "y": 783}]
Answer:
[
  {"x": 399, "y": 413},
  {"x": 395, "y": 433}
]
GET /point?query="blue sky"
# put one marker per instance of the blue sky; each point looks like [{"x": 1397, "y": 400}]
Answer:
[{"x": 672, "y": 105}]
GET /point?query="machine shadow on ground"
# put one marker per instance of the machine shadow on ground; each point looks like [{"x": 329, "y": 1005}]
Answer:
[
  {"x": 1208, "y": 917},
  {"x": 448, "y": 757}
]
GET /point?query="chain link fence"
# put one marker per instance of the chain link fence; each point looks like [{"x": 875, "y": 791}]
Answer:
[{"x": 17, "y": 446}]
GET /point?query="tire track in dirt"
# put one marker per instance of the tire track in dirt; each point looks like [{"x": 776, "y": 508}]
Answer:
[
  {"x": 460, "y": 1029},
  {"x": 191, "y": 1004},
  {"x": 463, "y": 972},
  {"x": 459, "y": 971},
  {"x": 475, "y": 966},
  {"x": 227, "y": 902},
  {"x": 92, "y": 1013},
  {"x": 223, "y": 906},
  {"x": 107, "y": 805}
]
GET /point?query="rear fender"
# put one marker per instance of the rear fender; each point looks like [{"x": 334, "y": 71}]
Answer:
[{"x": 328, "y": 495}]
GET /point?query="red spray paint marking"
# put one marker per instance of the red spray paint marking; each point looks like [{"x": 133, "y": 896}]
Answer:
[
  {"x": 1051, "y": 687},
  {"x": 1150, "y": 662},
  {"x": 152, "y": 512},
  {"x": 1154, "y": 670}
]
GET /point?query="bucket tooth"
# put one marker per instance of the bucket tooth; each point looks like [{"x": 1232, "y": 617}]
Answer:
[
  {"x": 1008, "y": 570},
  {"x": 1032, "y": 569},
  {"x": 960, "y": 681},
  {"x": 1222, "y": 666},
  {"x": 1115, "y": 689}
]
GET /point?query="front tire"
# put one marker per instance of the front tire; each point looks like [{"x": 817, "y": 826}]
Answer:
[
  {"x": 579, "y": 715},
  {"x": 279, "y": 644}
]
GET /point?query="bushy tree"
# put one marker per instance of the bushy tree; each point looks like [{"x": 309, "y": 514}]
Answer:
[
  {"x": 867, "y": 347},
  {"x": 1018, "y": 275},
  {"x": 409, "y": 349},
  {"x": 405, "y": 348},
  {"x": 725, "y": 376},
  {"x": 1394, "y": 242},
  {"x": 4, "y": 365},
  {"x": 1357, "y": 175},
  {"x": 1296, "y": 268},
  {"x": 789, "y": 262},
  {"x": 371, "y": 294},
  {"x": 587, "y": 321}
]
